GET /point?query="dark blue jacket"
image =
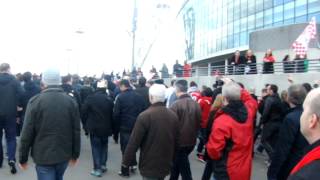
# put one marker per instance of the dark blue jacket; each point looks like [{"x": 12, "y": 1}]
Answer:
[
  {"x": 127, "y": 108},
  {"x": 290, "y": 146},
  {"x": 30, "y": 90}
]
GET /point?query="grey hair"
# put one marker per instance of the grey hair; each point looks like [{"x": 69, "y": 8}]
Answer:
[
  {"x": 231, "y": 91},
  {"x": 296, "y": 94}
]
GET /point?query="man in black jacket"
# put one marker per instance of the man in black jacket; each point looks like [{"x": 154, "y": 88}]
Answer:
[
  {"x": 97, "y": 118},
  {"x": 308, "y": 167},
  {"x": 156, "y": 134},
  {"x": 68, "y": 88},
  {"x": 51, "y": 130},
  {"x": 10, "y": 94},
  {"x": 291, "y": 143},
  {"x": 127, "y": 108},
  {"x": 271, "y": 119},
  {"x": 143, "y": 90}
]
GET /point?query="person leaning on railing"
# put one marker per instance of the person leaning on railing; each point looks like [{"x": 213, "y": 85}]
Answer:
[
  {"x": 251, "y": 62},
  {"x": 268, "y": 62}
]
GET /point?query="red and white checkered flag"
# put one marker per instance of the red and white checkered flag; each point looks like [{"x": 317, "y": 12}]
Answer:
[{"x": 301, "y": 45}]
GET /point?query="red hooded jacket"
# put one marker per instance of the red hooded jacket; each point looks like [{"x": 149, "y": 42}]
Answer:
[
  {"x": 205, "y": 105},
  {"x": 231, "y": 141}
]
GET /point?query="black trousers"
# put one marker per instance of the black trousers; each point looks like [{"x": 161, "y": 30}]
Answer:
[{"x": 181, "y": 164}]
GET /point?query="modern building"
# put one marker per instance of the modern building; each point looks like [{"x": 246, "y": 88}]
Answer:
[{"x": 214, "y": 29}]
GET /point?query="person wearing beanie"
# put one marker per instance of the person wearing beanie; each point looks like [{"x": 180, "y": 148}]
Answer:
[
  {"x": 156, "y": 134},
  {"x": 97, "y": 118},
  {"x": 10, "y": 94},
  {"x": 51, "y": 130}
]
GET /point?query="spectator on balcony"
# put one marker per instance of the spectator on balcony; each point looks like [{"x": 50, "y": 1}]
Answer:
[
  {"x": 186, "y": 69},
  {"x": 288, "y": 65},
  {"x": 251, "y": 62},
  {"x": 154, "y": 73},
  {"x": 178, "y": 69},
  {"x": 268, "y": 62},
  {"x": 164, "y": 71},
  {"x": 236, "y": 64},
  {"x": 301, "y": 63}
]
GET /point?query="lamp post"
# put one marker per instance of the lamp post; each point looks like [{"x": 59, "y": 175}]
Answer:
[{"x": 134, "y": 28}]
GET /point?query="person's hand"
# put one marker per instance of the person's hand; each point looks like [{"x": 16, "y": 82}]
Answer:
[
  {"x": 290, "y": 79},
  {"x": 73, "y": 162},
  {"x": 18, "y": 120},
  {"x": 23, "y": 166}
]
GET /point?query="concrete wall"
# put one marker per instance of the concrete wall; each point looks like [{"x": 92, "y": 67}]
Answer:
[
  {"x": 258, "y": 81},
  {"x": 280, "y": 40}
]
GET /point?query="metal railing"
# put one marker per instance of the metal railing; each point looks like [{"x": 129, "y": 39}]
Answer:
[{"x": 295, "y": 66}]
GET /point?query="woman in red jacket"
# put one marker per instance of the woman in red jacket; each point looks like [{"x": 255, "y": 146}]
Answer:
[{"x": 268, "y": 61}]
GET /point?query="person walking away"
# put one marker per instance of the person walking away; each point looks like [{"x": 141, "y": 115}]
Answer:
[
  {"x": 231, "y": 140},
  {"x": 30, "y": 90},
  {"x": 268, "y": 62},
  {"x": 68, "y": 88},
  {"x": 51, "y": 131},
  {"x": 308, "y": 167},
  {"x": 171, "y": 96},
  {"x": 85, "y": 90},
  {"x": 205, "y": 105},
  {"x": 164, "y": 71},
  {"x": 10, "y": 94},
  {"x": 251, "y": 62},
  {"x": 194, "y": 91},
  {"x": 127, "y": 108},
  {"x": 143, "y": 90},
  {"x": 189, "y": 114},
  {"x": 271, "y": 119},
  {"x": 156, "y": 134},
  {"x": 291, "y": 143},
  {"x": 97, "y": 117}
]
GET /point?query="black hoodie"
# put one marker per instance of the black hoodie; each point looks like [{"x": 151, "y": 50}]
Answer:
[
  {"x": 30, "y": 90},
  {"x": 10, "y": 95}
]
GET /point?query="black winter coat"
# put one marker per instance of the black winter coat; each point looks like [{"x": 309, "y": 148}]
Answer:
[
  {"x": 144, "y": 92},
  {"x": 10, "y": 95},
  {"x": 30, "y": 90},
  {"x": 127, "y": 108},
  {"x": 289, "y": 148},
  {"x": 97, "y": 114}
]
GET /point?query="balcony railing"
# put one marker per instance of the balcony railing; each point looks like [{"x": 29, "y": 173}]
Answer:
[{"x": 296, "y": 66}]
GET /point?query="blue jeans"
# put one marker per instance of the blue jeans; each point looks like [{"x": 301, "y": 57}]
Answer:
[
  {"x": 99, "y": 146},
  {"x": 9, "y": 127},
  {"x": 181, "y": 164},
  {"x": 124, "y": 140},
  {"x": 51, "y": 172}
]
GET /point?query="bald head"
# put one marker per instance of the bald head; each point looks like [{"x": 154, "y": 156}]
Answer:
[{"x": 310, "y": 118}]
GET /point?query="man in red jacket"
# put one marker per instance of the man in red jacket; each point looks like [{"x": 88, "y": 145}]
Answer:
[{"x": 231, "y": 141}]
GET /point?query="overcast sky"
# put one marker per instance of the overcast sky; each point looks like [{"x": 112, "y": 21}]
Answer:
[{"x": 35, "y": 34}]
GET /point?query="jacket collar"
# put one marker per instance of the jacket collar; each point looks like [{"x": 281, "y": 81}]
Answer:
[
  {"x": 158, "y": 104},
  {"x": 53, "y": 89},
  {"x": 184, "y": 96},
  {"x": 312, "y": 146},
  {"x": 237, "y": 110}
]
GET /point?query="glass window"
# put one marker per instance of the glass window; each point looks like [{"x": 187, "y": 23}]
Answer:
[
  {"x": 268, "y": 4},
  {"x": 236, "y": 27},
  {"x": 277, "y": 2},
  {"x": 259, "y": 20},
  {"x": 251, "y": 7},
  {"x": 244, "y": 8},
  {"x": 251, "y": 23},
  {"x": 301, "y": 19},
  {"x": 268, "y": 17},
  {"x": 230, "y": 42},
  {"x": 313, "y": 6},
  {"x": 224, "y": 43},
  {"x": 285, "y": 1},
  {"x": 230, "y": 13},
  {"x": 243, "y": 25},
  {"x": 289, "y": 10},
  {"x": 243, "y": 38},
  {"x": 259, "y": 5},
  {"x": 288, "y": 21},
  {"x": 224, "y": 30},
  {"x": 230, "y": 28},
  {"x": 236, "y": 40},
  {"x": 218, "y": 44},
  {"x": 278, "y": 23},
  {"x": 236, "y": 10},
  {"x": 225, "y": 15},
  {"x": 301, "y": 7},
  {"x": 278, "y": 14}
]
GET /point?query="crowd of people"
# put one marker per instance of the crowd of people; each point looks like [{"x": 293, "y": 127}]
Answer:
[{"x": 222, "y": 124}]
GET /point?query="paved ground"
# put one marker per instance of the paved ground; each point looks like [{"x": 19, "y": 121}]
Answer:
[{"x": 82, "y": 170}]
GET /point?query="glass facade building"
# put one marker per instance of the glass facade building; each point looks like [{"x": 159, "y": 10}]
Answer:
[{"x": 215, "y": 26}]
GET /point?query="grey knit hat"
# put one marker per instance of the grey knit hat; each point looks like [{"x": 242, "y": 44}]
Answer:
[{"x": 51, "y": 77}]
